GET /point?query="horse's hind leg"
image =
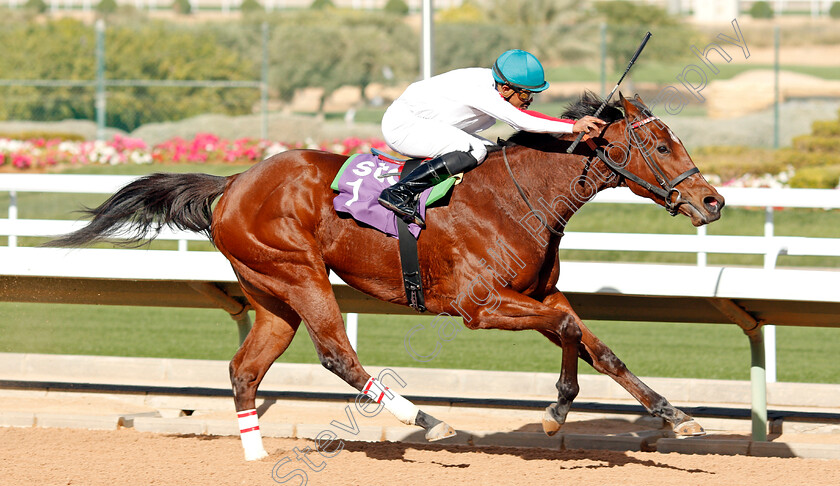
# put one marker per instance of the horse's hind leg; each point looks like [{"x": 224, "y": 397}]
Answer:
[
  {"x": 326, "y": 328},
  {"x": 599, "y": 356},
  {"x": 272, "y": 333},
  {"x": 312, "y": 298}
]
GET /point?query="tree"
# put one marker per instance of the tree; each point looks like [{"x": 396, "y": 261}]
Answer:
[
  {"x": 106, "y": 7},
  {"x": 182, "y": 7},
  {"x": 347, "y": 47},
  {"x": 64, "y": 49},
  {"x": 761, "y": 10},
  {"x": 542, "y": 27},
  {"x": 321, "y": 4},
  {"x": 396, "y": 7},
  {"x": 834, "y": 11},
  {"x": 167, "y": 51},
  {"x": 466, "y": 13},
  {"x": 251, "y": 6},
  {"x": 39, "y": 6},
  {"x": 470, "y": 44},
  {"x": 627, "y": 24}
]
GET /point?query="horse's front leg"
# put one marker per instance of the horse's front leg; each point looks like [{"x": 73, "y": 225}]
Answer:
[
  {"x": 510, "y": 310},
  {"x": 599, "y": 356}
]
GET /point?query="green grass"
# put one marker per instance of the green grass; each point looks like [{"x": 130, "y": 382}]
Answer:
[
  {"x": 649, "y": 349},
  {"x": 117, "y": 331},
  {"x": 626, "y": 218}
]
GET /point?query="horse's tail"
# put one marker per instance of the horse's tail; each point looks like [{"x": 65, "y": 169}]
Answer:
[{"x": 140, "y": 210}]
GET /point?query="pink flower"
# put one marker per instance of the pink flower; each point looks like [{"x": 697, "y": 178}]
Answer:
[
  {"x": 21, "y": 161},
  {"x": 203, "y": 148},
  {"x": 122, "y": 143}
]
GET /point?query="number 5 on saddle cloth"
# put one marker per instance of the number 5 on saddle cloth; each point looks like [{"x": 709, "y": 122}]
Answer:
[{"x": 359, "y": 183}]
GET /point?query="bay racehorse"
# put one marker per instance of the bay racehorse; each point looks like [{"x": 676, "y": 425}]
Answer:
[{"x": 490, "y": 255}]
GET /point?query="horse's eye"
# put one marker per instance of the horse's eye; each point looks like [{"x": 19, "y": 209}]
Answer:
[{"x": 663, "y": 149}]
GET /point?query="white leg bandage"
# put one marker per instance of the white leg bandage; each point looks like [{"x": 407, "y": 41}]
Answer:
[
  {"x": 249, "y": 432},
  {"x": 404, "y": 410}
]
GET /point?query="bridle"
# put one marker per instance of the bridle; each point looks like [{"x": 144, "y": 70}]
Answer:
[
  {"x": 667, "y": 187},
  {"x": 666, "y": 191}
]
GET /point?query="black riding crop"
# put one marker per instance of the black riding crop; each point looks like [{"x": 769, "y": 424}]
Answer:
[{"x": 607, "y": 100}]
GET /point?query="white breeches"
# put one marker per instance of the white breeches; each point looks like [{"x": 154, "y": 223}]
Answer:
[{"x": 414, "y": 136}]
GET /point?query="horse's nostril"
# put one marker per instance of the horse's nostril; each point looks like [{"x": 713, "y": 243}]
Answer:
[{"x": 712, "y": 204}]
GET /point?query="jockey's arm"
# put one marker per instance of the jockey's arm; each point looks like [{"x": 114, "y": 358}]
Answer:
[
  {"x": 587, "y": 124},
  {"x": 529, "y": 121},
  {"x": 532, "y": 121}
]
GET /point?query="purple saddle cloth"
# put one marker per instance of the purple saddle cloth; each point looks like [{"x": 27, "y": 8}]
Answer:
[{"x": 360, "y": 182}]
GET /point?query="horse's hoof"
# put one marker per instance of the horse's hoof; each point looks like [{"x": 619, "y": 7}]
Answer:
[
  {"x": 255, "y": 455},
  {"x": 689, "y": 428},
  {"x": 550, "y": 423},
  {"x": 439, "y": 432}
]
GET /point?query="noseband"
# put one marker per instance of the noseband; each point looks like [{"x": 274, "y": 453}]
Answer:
[{"x": 667, "y": 188}]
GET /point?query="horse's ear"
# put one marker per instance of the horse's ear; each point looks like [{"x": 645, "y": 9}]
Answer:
[
  {"x": 621, "y": 96},
  {"x": 630, "y": 110},
  {"x": 639, "y": 99}
]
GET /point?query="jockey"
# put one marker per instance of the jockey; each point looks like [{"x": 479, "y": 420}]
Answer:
[{"x": 439, "y": 117}]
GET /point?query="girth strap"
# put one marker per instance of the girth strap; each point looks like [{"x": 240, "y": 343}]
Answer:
[
  {"x": 409, "y": 258},
  {"x": 410, "y": 262}
]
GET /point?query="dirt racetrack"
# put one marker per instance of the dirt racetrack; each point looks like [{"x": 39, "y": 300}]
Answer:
[{"x": 36, "y": 456}]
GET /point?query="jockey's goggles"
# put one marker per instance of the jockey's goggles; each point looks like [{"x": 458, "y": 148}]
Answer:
[{"x": 524, "y": 95}]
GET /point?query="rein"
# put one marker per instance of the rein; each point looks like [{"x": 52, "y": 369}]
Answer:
[
  {"x": 525, "y": 198},
  {"x": 668, "y": 188}
]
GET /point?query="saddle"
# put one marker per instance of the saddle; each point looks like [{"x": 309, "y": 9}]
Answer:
[{"x": 359, "y": 183}]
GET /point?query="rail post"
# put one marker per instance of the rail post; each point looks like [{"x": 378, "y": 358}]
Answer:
[
  {"x": 603, "y": 31},
  {"x": 758, "y": 378},
  {"x": 100, "y": 80},
  {"x": 353, "y": 330},
  {"x": 264, "y": 83},
  {"x": 770, "y": 257},
  {"x": 427, "y": 57}
]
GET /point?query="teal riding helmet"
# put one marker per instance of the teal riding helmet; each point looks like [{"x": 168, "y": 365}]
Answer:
[{"x": 521, "y": 70}]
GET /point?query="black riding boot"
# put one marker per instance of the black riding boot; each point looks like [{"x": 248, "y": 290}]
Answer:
[{"x": 403, "y": 197}]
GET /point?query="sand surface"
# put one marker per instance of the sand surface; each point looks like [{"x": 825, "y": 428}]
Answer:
[{"x": 71, "y": 456}]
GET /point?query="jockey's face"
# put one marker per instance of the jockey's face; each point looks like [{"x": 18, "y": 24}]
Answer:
[{"x": 519, "y": 98}]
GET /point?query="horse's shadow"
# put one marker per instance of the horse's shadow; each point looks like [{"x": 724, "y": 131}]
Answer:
[{"x": 396, "y": 451}]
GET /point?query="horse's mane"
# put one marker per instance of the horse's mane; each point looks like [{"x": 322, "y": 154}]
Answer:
[{"x": 586, "y": 105}]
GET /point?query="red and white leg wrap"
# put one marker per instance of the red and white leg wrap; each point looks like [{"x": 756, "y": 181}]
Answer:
[
  {"x": 249, "y": 432},
  {"x": 404, "y": 410}
]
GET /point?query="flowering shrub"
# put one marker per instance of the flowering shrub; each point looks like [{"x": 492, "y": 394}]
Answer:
[
  {"x": 41, "y": 154},
  {"x": 774, "y": 181}
]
